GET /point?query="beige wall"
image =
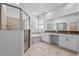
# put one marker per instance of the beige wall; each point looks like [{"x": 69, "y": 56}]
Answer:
[
  {"x": 3, "y": 17},
  {"x": 12, "y": 23},
  {"x": 73, "y": 26},
  {"x": 0, "y": 16},
  {"x": 8, "y": 22}
]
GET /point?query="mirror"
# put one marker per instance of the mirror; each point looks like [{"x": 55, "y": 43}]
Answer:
[
  {"x": 51, "y": 26},
  {"x": 61, "y": 26}
]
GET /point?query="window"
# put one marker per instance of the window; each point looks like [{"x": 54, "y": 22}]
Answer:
[{"x": 41, "y": 24}]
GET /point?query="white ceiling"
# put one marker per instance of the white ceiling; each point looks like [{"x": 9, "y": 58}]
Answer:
[
  {"x": 35, "y": 9},
  {"x": 38, "y": 8}
]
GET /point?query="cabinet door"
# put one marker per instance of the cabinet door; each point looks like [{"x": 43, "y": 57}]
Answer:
[
  {"x": 45, "y": 37},
  {"x": 71, "y": 42},
  {"x": 54, "y": 39},
  {"x": 62, "y": 42}
]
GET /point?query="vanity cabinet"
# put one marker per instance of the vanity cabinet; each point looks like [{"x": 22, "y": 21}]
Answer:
[
  {"x": 50, "y": 38},
  {"x": 54, "y": 39},
  {"x": 45, "y": 37},
  {"x": 69, "y": 41}
]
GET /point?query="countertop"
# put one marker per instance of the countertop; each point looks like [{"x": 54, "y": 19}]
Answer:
[{"x": 63, "y": 32}]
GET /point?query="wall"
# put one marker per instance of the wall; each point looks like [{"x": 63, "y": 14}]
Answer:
[
  {"x": 34, "y": 24},
  {"x": 67, "y": 20},
  {"x": 70, "y": 8},
  {"x": 13, "y": 12},
  {"x": 12, "y": 23},
  {"x": 3, "y": 17},
  {"x": 11, "y": 42},
  {"x": 0, "y": 16},
  {"x": 78, "y": 26}
]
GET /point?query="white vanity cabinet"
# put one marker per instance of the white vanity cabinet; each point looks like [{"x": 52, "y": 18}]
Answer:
[
  {"x": 50, "y": 38},
  {"x": 45, "y": 37},
  {"x": 69, "y": 41}
]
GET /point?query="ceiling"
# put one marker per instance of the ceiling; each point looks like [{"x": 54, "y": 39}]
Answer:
[{"x": 35, "y": 9}]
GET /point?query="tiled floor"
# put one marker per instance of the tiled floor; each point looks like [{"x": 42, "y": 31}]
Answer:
[
  {"x": 36, "y": 39},
  {"x": 44, "y": 49}
]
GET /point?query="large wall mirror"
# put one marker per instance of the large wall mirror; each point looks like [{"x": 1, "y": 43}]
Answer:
[
  {"x": 62, "y": 26},
  {"x": 51, "y": 26}
]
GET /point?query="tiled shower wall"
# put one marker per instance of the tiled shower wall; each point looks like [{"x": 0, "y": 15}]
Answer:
[{"x": 12, "y": 23}]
